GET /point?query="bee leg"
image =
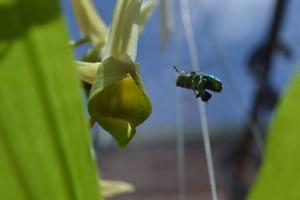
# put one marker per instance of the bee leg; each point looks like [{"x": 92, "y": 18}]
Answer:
[
  {"x": 201, "y": 92},
  {"x": 197, "y": 95},
  {"x": 206, "y": 96}
]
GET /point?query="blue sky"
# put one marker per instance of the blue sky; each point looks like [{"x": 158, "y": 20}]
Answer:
[{"x": 236, "y": 26}]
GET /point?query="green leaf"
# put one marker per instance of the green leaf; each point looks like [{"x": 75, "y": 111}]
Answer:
[
  {"x": 45, "y": 150},
  {"x": 118, "y": 101},
  {"x": 279, "y": 176}
]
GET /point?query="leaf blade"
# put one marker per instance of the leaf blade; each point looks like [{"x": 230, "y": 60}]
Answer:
[
  {"x": 43, "y": 132},
  {"x": 278, "y": 177}
]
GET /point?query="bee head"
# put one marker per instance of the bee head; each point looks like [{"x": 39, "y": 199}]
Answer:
[{"x": 181, "y": 79}]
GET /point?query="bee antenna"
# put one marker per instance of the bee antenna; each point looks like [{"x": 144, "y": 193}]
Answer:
[{"x": 175, "y": 68}]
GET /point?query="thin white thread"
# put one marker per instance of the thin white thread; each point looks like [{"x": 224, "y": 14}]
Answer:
[
  {"x": 180, "y": 136},
  {"x": 181, "y": 166},
  {"x": 225, "y": 69},
  {"x": 188, "y": 28}
]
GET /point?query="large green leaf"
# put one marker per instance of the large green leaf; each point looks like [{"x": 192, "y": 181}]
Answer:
[
  {"x": 279, "y": 177},
  {"x": 45, "y": 150}
]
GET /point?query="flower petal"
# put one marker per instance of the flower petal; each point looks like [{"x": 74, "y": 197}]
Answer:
[
  {"x": 111, "y": 188},
  {"x": 90, "y": 22},
  {"x": 146, "y": 11},
  {"x": 124, "y": 32},
  {"x": 87, "y": 71},
  {"x": 118, "y": 100}
]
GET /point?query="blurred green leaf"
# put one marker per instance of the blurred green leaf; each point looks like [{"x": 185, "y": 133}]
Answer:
[
  {"x": 45, "y": 150},
  {"x": 279, "y": 177}
]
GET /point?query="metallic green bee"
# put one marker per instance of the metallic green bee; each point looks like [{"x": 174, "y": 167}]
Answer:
[{"x": 199, "y": 83}]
